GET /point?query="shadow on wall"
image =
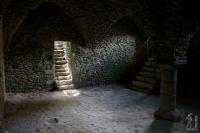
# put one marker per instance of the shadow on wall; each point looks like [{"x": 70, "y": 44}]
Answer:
[
  {"x": 188, "y": 76},
  {"x": 110, "y": 61}
]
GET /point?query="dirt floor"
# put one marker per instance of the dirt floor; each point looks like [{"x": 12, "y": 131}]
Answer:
[{"x": 102, "y": 109}]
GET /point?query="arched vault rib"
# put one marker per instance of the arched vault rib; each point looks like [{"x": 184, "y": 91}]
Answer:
[{"x": 136, "y": 9}]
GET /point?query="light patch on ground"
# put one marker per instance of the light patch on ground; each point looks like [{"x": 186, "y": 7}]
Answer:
[{"x": 102, "y": 109}]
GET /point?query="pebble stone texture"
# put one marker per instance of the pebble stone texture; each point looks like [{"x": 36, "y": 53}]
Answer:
[
  {"x": 91, "y": 23},
  {"x": 103, "y": 109},
  {"x": 29, "y": 58}
]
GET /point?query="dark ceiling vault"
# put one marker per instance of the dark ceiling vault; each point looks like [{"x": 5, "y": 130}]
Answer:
[
  {"x": 55, "y": 24},
  {"x": 108, "y": 12},
  {"x": 149, "y": 16}
]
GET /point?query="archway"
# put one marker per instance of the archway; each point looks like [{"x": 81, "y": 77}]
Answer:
[
  {"x": 29, "y": 59},
  {"x": 62, "y": 61}
]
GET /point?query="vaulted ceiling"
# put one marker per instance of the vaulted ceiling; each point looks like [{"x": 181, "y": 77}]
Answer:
[{"x": 148, "y": 15}]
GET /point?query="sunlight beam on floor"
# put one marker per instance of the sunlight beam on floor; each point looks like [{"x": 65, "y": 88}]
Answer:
[{"x": 71, "y": 93}]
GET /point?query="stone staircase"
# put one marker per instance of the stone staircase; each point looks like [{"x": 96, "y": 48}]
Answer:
[
  {"x": 63, "y": 75},
  {"x": 148, "y": 77}
]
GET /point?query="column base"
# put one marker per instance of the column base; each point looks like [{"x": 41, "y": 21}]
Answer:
[{"x": 173, "y": 115}]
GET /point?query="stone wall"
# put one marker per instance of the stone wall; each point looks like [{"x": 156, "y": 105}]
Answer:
[
  {"x": 29, "y": 58},
  {"x": 2, "y": 77},
  {"x": 108, "y": 63},
  {"x": 30, "y": 69},
  {"x": 99, "y": 56}
]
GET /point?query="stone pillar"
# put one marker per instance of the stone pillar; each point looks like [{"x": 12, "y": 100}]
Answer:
[
  {"x": 167, "y": 109},
  {"x": 2, "y": 82}
]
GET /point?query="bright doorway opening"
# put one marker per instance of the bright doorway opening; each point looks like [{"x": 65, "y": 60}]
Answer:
[{"x": 62, "y": 58}]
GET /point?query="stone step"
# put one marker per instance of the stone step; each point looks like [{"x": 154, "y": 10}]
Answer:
[
  {"x": 59, "y": 52},
  {"x": 61, "y": 66},
  {"x": 59, "y": 58},
  {"x": 151, "y": 69},
  {"x": 63, "y": 82},
  {"x": 150, "y": 64},
  {"x": 144, "y": 79},
  {"x": 141, "y": 90},
  {"x": 62, "y": 73},
  {"x": 58, "y": 48},
  {"x": 58, "y": 44},
  {"x": 59, "y": 55},
  {"x": 62, "y": 70},
  {"x": 151, "y": 59},
  {"x": 149, "y": 74},
  {"x": 63, "y": 62},
  {"x": 64, "y": 77},
  {"x": 142, "y": 85},
  {"x": 65, "y": 87}
]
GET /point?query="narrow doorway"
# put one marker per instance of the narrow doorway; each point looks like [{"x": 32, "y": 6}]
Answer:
[{"x": 62, "y": 58}]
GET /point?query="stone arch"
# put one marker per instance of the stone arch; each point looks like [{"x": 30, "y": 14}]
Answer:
[
  {"x": 50, "y": 6},
  {"x": 111, "y": 11},
  {"x": 31, "y": 42},
  {"x": 128, "y": 23},
  {"x": 11, "y": 28}
]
